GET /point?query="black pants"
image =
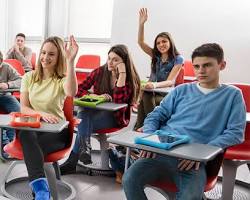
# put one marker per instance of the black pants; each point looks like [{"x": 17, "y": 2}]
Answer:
[{"x": 36, "y": 145}]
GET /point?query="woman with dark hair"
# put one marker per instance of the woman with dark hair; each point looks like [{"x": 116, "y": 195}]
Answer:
[
  {"x": 165, "y": 67},
  {"x": 116, "y": 81}
]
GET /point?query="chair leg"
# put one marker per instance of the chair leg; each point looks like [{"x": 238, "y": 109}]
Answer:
[
  {"x": 229, "y": 169},
  {"x": 6, "y": 176},
  {"x": 51, "y": 176},
  {"x": 104, "y": 151},
  {"x": 57, "y": 170}
]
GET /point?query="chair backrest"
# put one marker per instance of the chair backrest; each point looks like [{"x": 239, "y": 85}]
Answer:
[
  {"x": 188, "y": 68},
  {"x": 16, "y": 64},
  {"x": 88, "y": 61},
  {"x": 245, "y": 88},
  {"x": 33, "y": 60},
  {"x": 180, "y": 78}
]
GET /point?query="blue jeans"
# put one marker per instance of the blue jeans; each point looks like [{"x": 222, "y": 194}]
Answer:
[
  {"x": 8, "y": 104},
  {"x": 92, "y": 120},
  {"x": 190, "y": 183}
]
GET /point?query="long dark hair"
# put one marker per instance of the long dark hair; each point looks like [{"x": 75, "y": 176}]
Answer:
[
  {"x": 132, "y": 77},
  {"x": 172, "y": 52}
]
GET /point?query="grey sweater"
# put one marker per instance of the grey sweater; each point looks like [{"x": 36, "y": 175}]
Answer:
[
  {"x": 24, "y": 57},
  {"x": 9, "y": 75}
]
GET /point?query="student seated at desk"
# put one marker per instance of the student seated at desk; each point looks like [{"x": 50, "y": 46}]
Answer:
[
  {"x": 165, "y": 67},
  {"x": 9, "y": 78},
  {"x": 20, "y": 52},
  {"x": 117, "y": 81},
  {"x": 43, "y": 92},
  {"x": 207, "y": 111}
]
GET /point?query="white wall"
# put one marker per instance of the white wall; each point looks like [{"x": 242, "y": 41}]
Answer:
[
  {"x": 191, "y": 24},
  {"x": 3, "y": 26}
]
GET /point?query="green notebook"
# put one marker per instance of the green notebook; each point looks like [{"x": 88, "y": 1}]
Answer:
[{"x": 89, "y": 101}]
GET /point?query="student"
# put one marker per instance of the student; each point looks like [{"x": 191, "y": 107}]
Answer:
[
  {"x": 43, "y": 92},
  {"x": 116, "y": 81},
  {"x": 9, "y": 78},
  {"x": 207, "y": 111},
  {"x": 20, "y": 52},
  {"x": 165, "y": 67}
]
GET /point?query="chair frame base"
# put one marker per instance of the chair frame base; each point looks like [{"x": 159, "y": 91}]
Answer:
[{"x": 52, "y": 178}]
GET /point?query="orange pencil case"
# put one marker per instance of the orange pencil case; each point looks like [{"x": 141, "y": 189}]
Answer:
[{"x": 19, "y": 119}]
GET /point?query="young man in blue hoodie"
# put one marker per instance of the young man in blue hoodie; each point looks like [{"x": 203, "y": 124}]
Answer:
[{"x": 207, "y": 111}]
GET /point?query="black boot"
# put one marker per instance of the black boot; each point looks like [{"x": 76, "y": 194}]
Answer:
[
  {"x": 69, "y": 167},
  {"x": 85, "y": 151}
]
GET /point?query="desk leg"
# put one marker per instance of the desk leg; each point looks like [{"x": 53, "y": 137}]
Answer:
[{"x": 127, "y": 158}]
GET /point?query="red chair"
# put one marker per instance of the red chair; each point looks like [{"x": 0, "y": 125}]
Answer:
[
  {"x": 189, "y": 75},
  {"x": 33, "y": 60},
  {"x": 14, "y": 149},
  {"x": 168, "y": 189},
  {"x": 180, "y": 78},
  {"x": 236, "y": 155},
  {"x": 86, "y": 61},
  {"x": 16, "y": 64}
]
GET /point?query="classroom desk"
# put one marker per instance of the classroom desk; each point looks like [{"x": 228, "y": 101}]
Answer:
[
  {"x": 83, "y": 70},
  {"x": 108, "y": 106},
  {"x": 197, "y": 152},
  {"x": 164, "y": 90},
  {"x": 45, "y": 127}
]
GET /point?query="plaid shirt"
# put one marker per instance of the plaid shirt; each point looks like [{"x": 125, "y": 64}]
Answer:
[{"x": 119, "y": 95}]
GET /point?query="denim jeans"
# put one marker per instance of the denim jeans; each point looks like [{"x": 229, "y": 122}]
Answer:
[
  {"x": 92, "y": 120},
  {"x": 190, "y": 183},
  {"x": 8, "y": 104}
]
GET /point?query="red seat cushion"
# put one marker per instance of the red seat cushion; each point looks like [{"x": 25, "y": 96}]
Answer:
[
  {"x": 107, "y": 130},
  {"x": 171, "y": 187},
  {"x": 239, "y": 152}
]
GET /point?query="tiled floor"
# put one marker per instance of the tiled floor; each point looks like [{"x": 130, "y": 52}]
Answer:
[{"x": 105, "y": 188}]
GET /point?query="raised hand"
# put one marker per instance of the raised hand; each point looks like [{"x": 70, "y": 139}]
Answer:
[
  {"x": 143, "y": 15},
  {"x": 71, "y": 49}
]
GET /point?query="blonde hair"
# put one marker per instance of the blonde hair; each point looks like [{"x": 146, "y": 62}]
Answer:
[{"x": 60, "y": 69}]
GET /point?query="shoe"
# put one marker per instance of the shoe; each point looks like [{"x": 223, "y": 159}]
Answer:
[
  {"x": 85, "y": 151},
  {"x": 69, "y": 166},
  {"x": 40, "y": 188},
  {"x": 85, "y": 158},
  {"x": 118, "y": 177}
]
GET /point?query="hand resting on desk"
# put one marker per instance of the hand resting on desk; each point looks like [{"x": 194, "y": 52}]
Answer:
[
  {"x": 183, "y": 165},
  {"x": 49, "y": 118}
]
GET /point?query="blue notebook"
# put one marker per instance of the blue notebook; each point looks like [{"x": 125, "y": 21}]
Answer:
[{"x": 161, "y": 139}]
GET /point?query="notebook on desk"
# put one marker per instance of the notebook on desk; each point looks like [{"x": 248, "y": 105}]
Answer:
[
  {"x": 163, "y": 140},
  {"x": 89, "y": 101}
]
